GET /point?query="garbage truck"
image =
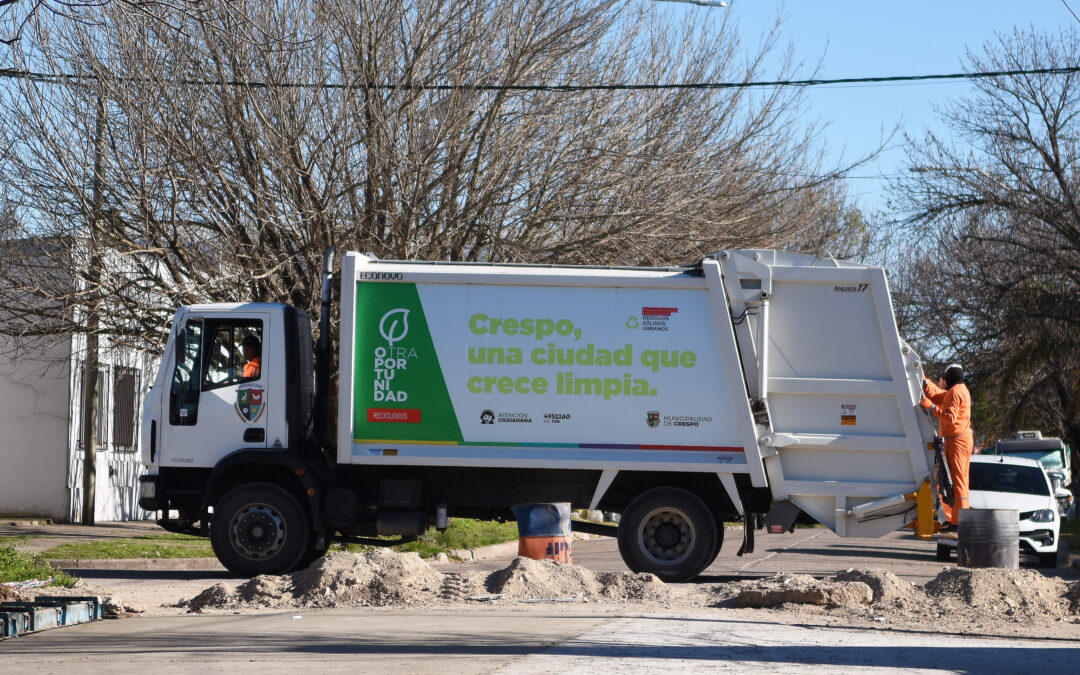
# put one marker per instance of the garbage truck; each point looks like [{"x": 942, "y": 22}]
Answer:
[
  {"x": 1054, "y": 455},
  {"x": 753, "y": 384}
]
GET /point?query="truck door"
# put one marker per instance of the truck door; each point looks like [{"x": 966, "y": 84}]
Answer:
[{"x": 218, "y": 396}]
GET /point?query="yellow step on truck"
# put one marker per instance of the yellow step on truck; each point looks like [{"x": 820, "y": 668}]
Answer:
[{"x": 753, "y": 383}]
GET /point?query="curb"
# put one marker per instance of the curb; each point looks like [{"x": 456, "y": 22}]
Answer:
[
  {"x": 506, "y": 549},
  {"x": 162, "y": 564}
]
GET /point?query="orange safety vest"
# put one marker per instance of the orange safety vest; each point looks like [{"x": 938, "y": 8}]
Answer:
[{"x": 953, "y": 408}]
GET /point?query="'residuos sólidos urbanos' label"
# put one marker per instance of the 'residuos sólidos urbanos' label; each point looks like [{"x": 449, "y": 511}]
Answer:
[{"x": 529, "y": 365}]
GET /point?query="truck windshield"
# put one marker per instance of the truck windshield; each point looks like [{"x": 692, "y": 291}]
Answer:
[
  {"x": 994, "y": 477},
  {"x": 1050, "y": 459}
]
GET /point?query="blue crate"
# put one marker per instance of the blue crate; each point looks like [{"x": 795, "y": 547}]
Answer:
[
  {"x": 98, "y": 611},
  {"x": 75, "y": 610},
  {"x": 41, "y": 617},
  {"x": 14, "y": 623}
]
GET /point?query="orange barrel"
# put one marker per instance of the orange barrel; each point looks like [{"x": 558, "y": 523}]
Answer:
[{"x": 544, "y": 531}]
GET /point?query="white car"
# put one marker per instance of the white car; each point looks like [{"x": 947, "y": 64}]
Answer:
[{"x": 999, "y": 482}]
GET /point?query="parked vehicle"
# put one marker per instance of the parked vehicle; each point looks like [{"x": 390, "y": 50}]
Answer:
[
  {"x": 1052, "y": 453},
  {"x": 1001, "y": 482},
  {"x": 678, "y": 397}
]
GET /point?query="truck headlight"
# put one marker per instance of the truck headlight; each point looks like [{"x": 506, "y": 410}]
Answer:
[
  {"x": 1043, "y": 516},
  {"x": 147, "y": 489}
]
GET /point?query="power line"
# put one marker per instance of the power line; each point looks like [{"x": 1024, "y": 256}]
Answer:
[
  {"x": 56, "y": 78},
  {"x": 1064, "y": 2}
]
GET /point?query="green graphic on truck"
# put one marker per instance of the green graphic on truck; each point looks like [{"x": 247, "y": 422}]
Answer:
[
  {"x": 512, "y": 366},
  {"x": 400, "y": 393}
]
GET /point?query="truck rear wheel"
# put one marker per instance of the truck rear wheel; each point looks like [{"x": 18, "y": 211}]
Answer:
[
  {"x": 259, "y": 529},
  {"x": 668, "y": 532}
]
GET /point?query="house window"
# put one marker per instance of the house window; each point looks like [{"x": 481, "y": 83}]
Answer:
[
  {"x": 101, "y": 413},
  {"x": 103, "y": 406},
  {"x": 125, "y": 408}
]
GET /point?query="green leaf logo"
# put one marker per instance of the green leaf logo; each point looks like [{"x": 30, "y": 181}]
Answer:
[{"x": 394, "y": 325}]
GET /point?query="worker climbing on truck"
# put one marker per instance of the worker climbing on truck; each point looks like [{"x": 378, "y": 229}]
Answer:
[{"x": 950, "y": 401}]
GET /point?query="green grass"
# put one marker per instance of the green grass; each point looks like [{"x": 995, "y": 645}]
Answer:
[
  {"x": 461, "y": 533},
  {"x": 168, "y": 545},
  {"x": 16, "y": 565},
  {"x": 17, "y": 539}
]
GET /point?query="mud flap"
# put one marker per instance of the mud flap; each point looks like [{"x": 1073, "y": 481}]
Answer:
[
  {"x": 749, "y": 523},
  {"x": 781, "y": 517}
]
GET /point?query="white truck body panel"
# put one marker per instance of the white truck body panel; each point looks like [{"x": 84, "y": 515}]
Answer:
[{"x": 640, "y": 370}]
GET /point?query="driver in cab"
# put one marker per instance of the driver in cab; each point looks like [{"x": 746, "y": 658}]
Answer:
[{"x": 253, "y": 355}]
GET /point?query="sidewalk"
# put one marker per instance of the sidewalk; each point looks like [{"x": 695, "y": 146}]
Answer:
[{"x": 44, "y": 536}]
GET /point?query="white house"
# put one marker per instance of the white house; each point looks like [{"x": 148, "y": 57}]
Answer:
[{"x": 41, "y": 458}]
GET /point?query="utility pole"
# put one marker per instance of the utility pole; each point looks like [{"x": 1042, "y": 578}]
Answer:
[{"x": 91, "y": 367}]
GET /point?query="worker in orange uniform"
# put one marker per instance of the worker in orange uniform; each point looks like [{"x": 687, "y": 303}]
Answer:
[
  {"x": 253, "y": 355},
  {"x": 950, "y": 401}
]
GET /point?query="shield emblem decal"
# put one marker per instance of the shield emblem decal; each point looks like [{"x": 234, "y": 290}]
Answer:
[
  {"x": 250, "y": 403},
  {"x": 652, "y": 418}
]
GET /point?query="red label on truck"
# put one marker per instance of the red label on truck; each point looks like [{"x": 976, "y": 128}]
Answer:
[
  {"x": 658, "y": 311},
  {"x": 394, "y": 415}
]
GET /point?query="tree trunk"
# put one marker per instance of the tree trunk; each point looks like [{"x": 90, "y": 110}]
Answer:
[
  {"x": 89, "y": 429},
  {"x": 91, "y": 374}
]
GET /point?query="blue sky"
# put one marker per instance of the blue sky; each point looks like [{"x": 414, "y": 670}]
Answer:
[{"x": 871, "y": 38}]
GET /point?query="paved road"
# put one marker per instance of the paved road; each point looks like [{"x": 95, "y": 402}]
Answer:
[
  {"x": 815, "y": 551},
  {"x": 569, "y": 638},
  {"x": 546, "y": 641}
]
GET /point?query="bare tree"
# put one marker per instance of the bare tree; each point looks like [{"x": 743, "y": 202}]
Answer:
[
  {"x": 408, "y": 129},
  {"x": 995, "y": 276}
]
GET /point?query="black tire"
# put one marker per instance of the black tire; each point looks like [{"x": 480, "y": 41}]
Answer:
[
  {"x": 315, "y": 552},
  {"x": 1048, "y": 560},
  {"x": 260, "y": 529},
  {"x": 944, "y": 553},
  {"x": 719, "y": 541},
  {"x": 668, "y": 532}
]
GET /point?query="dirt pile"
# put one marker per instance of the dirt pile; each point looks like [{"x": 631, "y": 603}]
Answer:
[
  {"x": 526, "y": 579},
  {"x": 888, "y": 589},
  {"x": 1073, "y": 596},
  {"x": 801, "y": 589},
  {"x": 975, "y": 600},
  {"x": 632, "y": 587},
  {"x": 543, "y": 580},
  {"x": 378, "y": 578},
  {"x": 215, "y": 597},
  {"x": 992, "y": 591},
  {"x": 999, "y": 601},
  {"x": 8, "y": 594},
  {"x": 383, "y": 578}
]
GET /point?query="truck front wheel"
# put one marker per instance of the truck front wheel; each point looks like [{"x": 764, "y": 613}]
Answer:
[
  {"x": 259, "y": 529},
  {"x": 668, "y": 532}
]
